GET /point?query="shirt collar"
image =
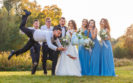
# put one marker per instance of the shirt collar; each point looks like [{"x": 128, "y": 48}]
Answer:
[
  {"x": 35, "y": 28},
  {"x": 47, "y": 27}
]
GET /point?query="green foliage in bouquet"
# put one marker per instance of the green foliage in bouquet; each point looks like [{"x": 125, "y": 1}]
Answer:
[
  {"x": 80, "y": 34},
  {"x": 103, "y": 34},
  {"x": 88, "y": 43},
  {"x": 65, "y": 41}
]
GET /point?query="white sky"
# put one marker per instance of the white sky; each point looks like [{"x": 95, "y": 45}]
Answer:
[{"x": 118, "y": 12}]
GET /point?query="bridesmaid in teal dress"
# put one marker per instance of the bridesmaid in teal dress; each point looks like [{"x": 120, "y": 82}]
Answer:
[
  {"x": 107, "y": 62},
  {"x": 83, "y": 53},
  {"x": 94, "y": 61}
]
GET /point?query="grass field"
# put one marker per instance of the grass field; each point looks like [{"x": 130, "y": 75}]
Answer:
[{"x": 125, "y": 75}]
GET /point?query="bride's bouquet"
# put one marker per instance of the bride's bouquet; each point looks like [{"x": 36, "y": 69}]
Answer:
[
  {"x": 74, "y": 40},
  {"x": 65, "y": 41},
  {"x": 80, "y": 39},
  {"x": 103, "y": 34},
  {"x": 77, "y": 38}
]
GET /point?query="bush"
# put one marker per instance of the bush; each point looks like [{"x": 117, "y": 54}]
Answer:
[
  {"x": 121, "y": 53},
  {"x": 22, "y": 62},
  {"x": 123, "y": 62}
]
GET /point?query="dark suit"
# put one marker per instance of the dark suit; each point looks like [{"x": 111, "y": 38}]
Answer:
[
  {"x": 61, "y": 28},
  {"x": 31, "y": 44},
  {"x": 29, "y": 33},
  {"x": 53, "y": 55},
  {"x": 35, "y": 55}
]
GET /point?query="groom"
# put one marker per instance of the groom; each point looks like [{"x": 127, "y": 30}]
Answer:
[
  {"x": 63, "y": 28},
  {"x": 53, "y": 55},
  {"x": 38, "y": 36}
]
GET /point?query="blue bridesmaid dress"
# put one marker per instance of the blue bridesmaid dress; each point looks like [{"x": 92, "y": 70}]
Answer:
[
  {"x": 107, "y": 62},
  {"x": 84, "y": 57},
  {"x": 94, "y": 61}
]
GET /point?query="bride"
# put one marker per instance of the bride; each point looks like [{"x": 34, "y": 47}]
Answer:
[{"x": 68, "y": 63}]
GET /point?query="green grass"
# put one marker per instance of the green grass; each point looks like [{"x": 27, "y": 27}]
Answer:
[{"x": 125, "y": 75}]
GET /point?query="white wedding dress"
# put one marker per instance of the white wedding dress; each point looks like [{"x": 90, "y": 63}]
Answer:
[{"x": 67, "y": 66}]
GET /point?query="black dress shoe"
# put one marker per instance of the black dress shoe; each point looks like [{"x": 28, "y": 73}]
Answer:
[
  {"x": 27, "y": 13},
  {"x": 11, "y": 54},
  {"x": 33, "y": 71}
]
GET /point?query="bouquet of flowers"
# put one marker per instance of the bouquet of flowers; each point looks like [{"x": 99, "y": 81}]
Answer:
[
  {"x": 65, "y": 41},
  {"x": 77, "y": 37},
  {"x": 103, "y": 34},
  {"x": 74, "y": 40},
  {"x": 88, "y": 43},
  {"x": 80, "y": 34}
]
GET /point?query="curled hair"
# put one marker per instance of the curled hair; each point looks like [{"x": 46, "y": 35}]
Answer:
[
  {"x": 73, "y": 23},
  {"x": 86, "y": 22},
  {"x": 106, "y": 24},
  {"x": 94, "y": 23}
]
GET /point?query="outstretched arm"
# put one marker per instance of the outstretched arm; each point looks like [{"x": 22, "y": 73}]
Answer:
[
  {"x": 58, "y": 42},
  {"x": 60, "y": 47},
  {"x": 49, "y": 42}
]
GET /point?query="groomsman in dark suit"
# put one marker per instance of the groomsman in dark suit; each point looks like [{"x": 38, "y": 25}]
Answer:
[
  {"x": 61, "y": 25},
  {"x": 47, "y": 52},
  {"x": 35, "y": 49}
]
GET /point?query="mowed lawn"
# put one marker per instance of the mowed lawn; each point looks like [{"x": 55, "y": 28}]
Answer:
[{"x": 125, "y": 75}]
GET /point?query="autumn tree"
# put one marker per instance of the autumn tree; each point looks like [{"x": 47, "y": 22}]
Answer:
[
  {"x": 129, "y": 39},
  {"x": 51, "y": 11},
  {"x": 124, "y": 46}
]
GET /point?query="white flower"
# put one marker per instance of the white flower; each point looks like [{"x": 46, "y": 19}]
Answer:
[
  {"x": 86, "y": 41},
  {"x": 64, "y": 39},
  {"x": 103, "y": 34},
  {"x": 106, "y": 36}
]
